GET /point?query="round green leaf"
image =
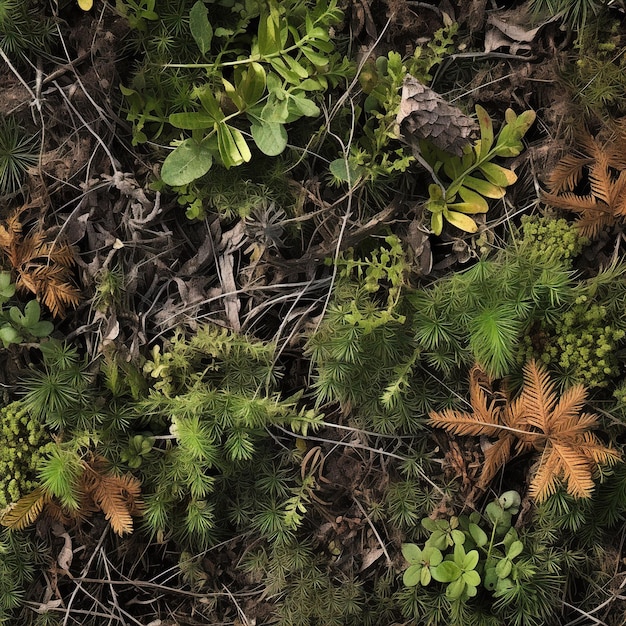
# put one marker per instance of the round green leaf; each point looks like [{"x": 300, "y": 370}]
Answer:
[
  {"x": 478, "y": 535},
  {"x": 412, "y": 553},
  {"x": 503, "y": 568},
  {"x": 188, "y": 162},
  {"x": 446, "y": 572},
  {"x": 471, "y": 560},
  {"x": 425, "y": 576},
  {"x": 455, "y": 589},
  {"x": 471, "y": 578},
  {"x": 432, "y": 556},
  {"x": 515, "y": 549},
  {"x": 412, "y": 575},
  {"x": 270, "y": 137}
]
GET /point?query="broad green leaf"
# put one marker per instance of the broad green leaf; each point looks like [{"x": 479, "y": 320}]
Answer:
[
  {"x": 473, "y": 203},
  {"x": 280, "y": 67},
  {"x": 503, "y": 568},
  {"x": 515, "y": 549},
  {"x": 491, "y": 578},
  {"x": 425, "y": 576},
  {"x": 412, "y": 553},
  {"x": 412, "y": 575},
  {"x": 32, "y": 313},
  {"x": 319, "y": 60},
  {"x": 192, "y": 121},
  {"x": 458, "y": 537},
  {"x": 478, "y": 535},
  {"x": 486, "y": 131},
  {"x": 232, "y": 147},
  {"x": 483, "y": 187},
  {"x": 232, "y": 93},
  {"x": 188, "y": 162},
  {"x": 251, "y": 83},
  {"x": 306, "y": 107},
  {"x": 270, "y": 137},
  {"x": 498, "y": 175},
  {"x": 455, "y": 589},
  {"x": 9, "y": 335},
  {"x": 201, "y": 29},
  {"x": 446, "y": 572},
  {"x": 296, "y": 67},
  {"x": 436, "y": 224},
  {"x": 462, "y": 221},
  {"x": 345, "y": 171},
  {"x": 269, "y": 36},
  {"x": 471, "y": 590},
  {"x": 41, "y": 329},
  {"x": 471, "y": 560},
  {"x": 209, "y": 102},
  {"x": 432, "y": 556},
  {"x": 275, "y": 110}
]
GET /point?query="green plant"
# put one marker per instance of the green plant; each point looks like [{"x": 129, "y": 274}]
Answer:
[
  {"x": 24, "y": 29},
  {"x": 18, "y": 152},
  {"x": 16, "y": 325},
  {"x": 377, "y": 154},
  {"x": 443, "y": 198},
  {"x": 25, "y": 443},
  {"x": 212, "y": 401},
  {"x": 290, "y": 58},
  {"x": 485, "y": 567}
]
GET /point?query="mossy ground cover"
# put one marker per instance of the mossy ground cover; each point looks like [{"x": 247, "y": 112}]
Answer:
[{"x": 313, "y": 312}]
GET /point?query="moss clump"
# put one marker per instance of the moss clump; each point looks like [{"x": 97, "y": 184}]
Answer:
[
  {"x": 546, "y": 237},
  {"x": 25, "y": 442}
]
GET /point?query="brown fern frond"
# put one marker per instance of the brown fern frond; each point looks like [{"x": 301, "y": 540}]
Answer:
[
  {"x": 112, "y": 495},
  {"x": 568, "y": 173},
  {"x": 545, "y": 481},
  {"x": 462, "y": 423},
  {"x": 565, "y": 416},
  {"x": 26, "y": 510},
  {"x": 600, "y": 180},
  {"x": 497, "y": 455},
  {"x": 601, "y": 165},
  {"x": 576, "y": 470},
  {"x": 538, "y": 397},
  {"x": 42, "y": 266},
  {"x": 556, "y": 428}
]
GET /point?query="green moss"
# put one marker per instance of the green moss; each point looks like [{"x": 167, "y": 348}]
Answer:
[{"x": 24, "y": 442}]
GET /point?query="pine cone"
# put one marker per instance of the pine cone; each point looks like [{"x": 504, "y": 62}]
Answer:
[{"x": 424, "y": 114}]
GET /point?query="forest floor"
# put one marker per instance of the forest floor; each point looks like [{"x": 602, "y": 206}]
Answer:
[{"x": 121, "y": 262}]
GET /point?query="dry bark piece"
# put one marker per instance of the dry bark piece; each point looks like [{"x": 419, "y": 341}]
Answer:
[{"x": 424, "y": 114}]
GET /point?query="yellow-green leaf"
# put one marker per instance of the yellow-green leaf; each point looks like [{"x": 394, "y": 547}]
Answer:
[
  {"x": 85, "y": 5},
  {"x": 462, "y": 221}
]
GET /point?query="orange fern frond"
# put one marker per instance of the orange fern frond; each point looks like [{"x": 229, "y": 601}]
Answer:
[
  {"x": 555, "y": 427},
  {"x": 26, "y": 510},
  {"x": 601, "y": 165}
]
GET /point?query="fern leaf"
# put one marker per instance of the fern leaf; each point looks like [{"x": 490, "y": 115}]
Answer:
[
  {"x": 26, "y": 510},
  {"x": 545, "y": 482},
  {"x": 112, "y": 494},
  {"x": 538, "y": 397},
  {"x": 496, "y": 456},
  {"x": 565, "y": 418},
  {"x": 600, "y": 179},
  {"x": 568, "y": 173},
  {"x": 462, "y": 423},
  {"x": 576, "y": 470}
]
